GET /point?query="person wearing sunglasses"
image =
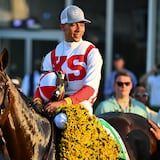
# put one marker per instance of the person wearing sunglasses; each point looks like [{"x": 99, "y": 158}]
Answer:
[
  {"x": 78, "y": 59},
  {"x": 140, "y": 93},
  {"x": 121, "y": 101}
]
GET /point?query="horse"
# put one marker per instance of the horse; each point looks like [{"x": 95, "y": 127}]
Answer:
[
  {"x": 27, "y": 133},
  {"x": 135, "y": 133},
  {"x": 31, "y": 136}
]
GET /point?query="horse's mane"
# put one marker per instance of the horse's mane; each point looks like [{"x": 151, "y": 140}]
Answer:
[
  {"x": 27, "y": 100},
  {"x": 27, "y": 133},
  {"x": 34, "y": 128}
]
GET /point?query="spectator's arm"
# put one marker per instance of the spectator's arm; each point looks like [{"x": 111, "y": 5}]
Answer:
[{"x": 143, "y": 79}]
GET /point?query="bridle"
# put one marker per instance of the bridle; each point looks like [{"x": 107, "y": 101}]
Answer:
[{"x": 5, "y": 87}]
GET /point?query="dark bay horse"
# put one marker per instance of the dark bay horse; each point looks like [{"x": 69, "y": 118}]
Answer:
[
  {"x": 28, "y": 134},
  {"x": 134, "y": 131}
]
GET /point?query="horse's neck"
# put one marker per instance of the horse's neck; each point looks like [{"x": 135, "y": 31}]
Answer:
[
  {"x": 25, "y": 120},
  {"x": 25, "y": 115}
]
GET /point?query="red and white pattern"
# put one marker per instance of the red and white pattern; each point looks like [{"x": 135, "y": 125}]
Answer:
[
  {"x": 81, "y": 62},
  {"x": 47, "y": 85}
]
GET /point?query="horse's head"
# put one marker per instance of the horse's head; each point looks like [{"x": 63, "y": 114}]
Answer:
[{"x": 3, "y": 76}]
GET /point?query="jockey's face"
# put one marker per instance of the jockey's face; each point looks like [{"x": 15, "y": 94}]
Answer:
[{"x": 73, "y": 32}]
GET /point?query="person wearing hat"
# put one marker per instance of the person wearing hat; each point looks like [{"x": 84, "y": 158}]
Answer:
[
  {"x": 78, "y": 59},
  {"x": 119, "y": 66}
]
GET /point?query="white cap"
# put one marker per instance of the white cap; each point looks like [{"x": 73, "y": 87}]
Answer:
[{"x": 73, "y": 14}]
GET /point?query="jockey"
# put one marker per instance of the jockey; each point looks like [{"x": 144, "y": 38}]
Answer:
[{"x": 78, "y": 59}]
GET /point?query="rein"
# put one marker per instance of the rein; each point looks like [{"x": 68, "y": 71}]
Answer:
[{"x": 45, "y": 156}]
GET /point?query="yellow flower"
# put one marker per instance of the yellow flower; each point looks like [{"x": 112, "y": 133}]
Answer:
[{"x": 83, "y": 137}]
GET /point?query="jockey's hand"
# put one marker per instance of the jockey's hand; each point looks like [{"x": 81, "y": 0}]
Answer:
[
  {"x": 52, "y": 106},
  {"x": 154, "y": 129}
]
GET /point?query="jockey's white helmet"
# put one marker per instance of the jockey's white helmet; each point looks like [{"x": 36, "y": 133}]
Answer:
[{"x": 47, "y": 85}]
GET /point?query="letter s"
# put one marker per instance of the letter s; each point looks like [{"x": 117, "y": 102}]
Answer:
[{"x": 76, "y": 67}]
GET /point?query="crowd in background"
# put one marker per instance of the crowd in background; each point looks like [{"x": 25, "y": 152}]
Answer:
[
  {"x": 143, "y": 92},
  {"x": 123, "y": 91}
]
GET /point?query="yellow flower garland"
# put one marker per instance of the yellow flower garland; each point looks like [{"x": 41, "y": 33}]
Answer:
[{"x": 83, "y": 137}]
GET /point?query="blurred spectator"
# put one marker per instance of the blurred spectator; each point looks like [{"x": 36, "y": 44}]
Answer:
[
  {"x": 121, "y": 101},
  {"x": 152, "y": 81},
  {"x": 13, "y": 10},
  {"x": 30, "y": 81},
  {"x": 119, "y": 63},
  {"x": 141, "y": 94},
  {"x": 20, "y": 9}
]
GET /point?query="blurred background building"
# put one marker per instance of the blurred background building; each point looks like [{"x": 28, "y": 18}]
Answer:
[{"x": 30, "y": 28}]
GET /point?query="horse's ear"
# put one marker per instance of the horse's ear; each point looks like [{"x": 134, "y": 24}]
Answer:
[{"x": 3, "y": 59}]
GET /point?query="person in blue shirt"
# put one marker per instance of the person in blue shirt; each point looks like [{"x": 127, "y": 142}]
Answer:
[
  {"x": 118, "y": 63},
  {"x": 121, "y": 101}
]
